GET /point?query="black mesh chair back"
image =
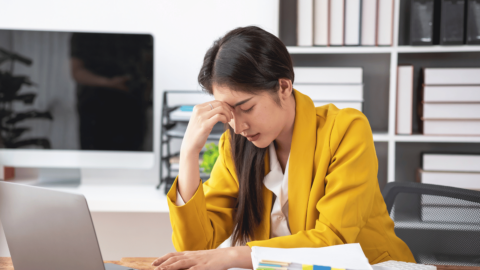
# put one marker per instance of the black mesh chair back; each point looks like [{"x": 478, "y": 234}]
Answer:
[{"x": 440, "y": 224}]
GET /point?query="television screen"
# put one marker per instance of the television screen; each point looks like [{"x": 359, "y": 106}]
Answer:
[{"x": 76, "y": 91}]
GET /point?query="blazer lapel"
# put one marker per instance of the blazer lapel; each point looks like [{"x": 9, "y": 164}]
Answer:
[{"x": 300, "y": 169}]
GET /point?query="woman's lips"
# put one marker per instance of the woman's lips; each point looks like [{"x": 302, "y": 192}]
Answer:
[{"x": 254, "y": 137}]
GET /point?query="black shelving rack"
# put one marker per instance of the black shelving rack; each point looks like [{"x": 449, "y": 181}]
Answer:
[{"x": 175, "y": 129}]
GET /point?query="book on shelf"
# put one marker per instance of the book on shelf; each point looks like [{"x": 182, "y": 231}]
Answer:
[
  {"x": 341, "y": 104},
  {"x": 450, "y": 127},
  {"x": 452, "y": 21},
  {"x": 353, "y": 9},
  {"x": 451, "y": 162},
  {"x": 336, "y": 22},
  {"x": 451, "y": 111},
  {"x": 473, "y": 22},
  {"x": 369, "y": 23},
  {"x": 333, "y": 75},
  {"x": 424, "y": 17},
  {"x": 321, "y": 22},
  {"x": 305, "y": 22},
  {"x": 385, "y": 23},
  {"x": 456, "y": 93},
  {"x": 451, "y": 76},
  {"x": 404, "y": 100},
  {"x": 466, "y": 180},
  {"x": 338, "y": 92}
]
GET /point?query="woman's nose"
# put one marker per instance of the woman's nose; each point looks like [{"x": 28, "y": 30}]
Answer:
[{"x": 237, "y": 125}]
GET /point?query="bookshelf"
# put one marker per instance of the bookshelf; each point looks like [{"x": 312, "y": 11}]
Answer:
[{"x": 399, "y": 155}]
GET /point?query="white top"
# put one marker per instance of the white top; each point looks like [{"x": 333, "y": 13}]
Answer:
[{"x": 277, "y": 182}]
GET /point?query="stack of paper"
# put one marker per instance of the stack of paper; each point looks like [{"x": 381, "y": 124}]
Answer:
[{"x": 349, "y": 256}]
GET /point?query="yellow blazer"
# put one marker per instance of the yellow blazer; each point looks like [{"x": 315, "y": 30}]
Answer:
[{"x": 333, "y": 192}]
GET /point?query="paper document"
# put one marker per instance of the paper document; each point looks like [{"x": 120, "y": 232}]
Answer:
[{"x": 348, "y": 256}]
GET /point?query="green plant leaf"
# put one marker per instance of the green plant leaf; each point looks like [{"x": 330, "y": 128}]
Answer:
[{"x": 209, "y": 157}]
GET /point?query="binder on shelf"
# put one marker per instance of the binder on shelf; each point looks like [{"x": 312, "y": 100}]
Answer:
[
  {"x": 424, "y": 19},
  {"x": 340, "y": 104},
  {"x": 457, "y": 93},
  {"x": 353, "y": 11},
  {"x": 453, "y": 179},
  {"x": 451, "y": 111},
  {"x": 369, "y": 23},
  {"x": 404, "y": 100},
  {"x": 305, "y": 23},
  {"x": 452, "y": 21},
  {"x": 451, "y": 127},
  {"x": 288, "y": 22},
  {"x": 385, "y": 23},
  {"x": 338, "y": 75},
  {"x": 321, "y": 18},
  {"x": 451, "y": 162},
  {"x": 473, "y": 22},
  {"x": 337, "y": 92},
  {"x": 336, "y": 22},
  {"x": 451, "y": 76}
]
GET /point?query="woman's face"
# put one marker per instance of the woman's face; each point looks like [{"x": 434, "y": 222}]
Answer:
[{"x": 255, "y": 116}]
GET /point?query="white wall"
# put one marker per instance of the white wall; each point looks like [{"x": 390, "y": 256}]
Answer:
[{"x": 183, "y": 31}]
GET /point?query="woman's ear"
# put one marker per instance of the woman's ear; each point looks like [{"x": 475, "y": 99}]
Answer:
[{"x": 286, "y": 88}]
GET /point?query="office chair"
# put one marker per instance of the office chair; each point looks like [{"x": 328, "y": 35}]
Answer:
[{"x": 440, "y": 224}]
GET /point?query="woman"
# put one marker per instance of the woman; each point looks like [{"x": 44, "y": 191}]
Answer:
[{"x": 288, "y": 174}]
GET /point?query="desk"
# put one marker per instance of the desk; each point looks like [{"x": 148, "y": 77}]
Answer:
[{"x": 144, "y": 263}]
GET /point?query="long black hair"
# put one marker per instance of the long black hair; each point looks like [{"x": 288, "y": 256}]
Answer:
[{"x": 247, "y": 59}]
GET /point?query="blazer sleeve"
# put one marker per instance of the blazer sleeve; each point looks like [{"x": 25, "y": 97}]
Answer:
[
  {"x": 206, "y": 220},
  {"x": 350, "y": 183}
]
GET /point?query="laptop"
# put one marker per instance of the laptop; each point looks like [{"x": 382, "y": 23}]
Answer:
[{"x": 49, "y": 229}]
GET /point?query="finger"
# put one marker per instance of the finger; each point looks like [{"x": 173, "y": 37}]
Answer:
[
  {"x": 229, "y": 110},
  {"x": 215, "y": 104},
  {"x": 215, "y": 119},
  {"x": 181, "y": 264},
  {"x": 171, "y": 260},
  {"x": 165, "y": 257},
  {"x": 219, "y": 110}
]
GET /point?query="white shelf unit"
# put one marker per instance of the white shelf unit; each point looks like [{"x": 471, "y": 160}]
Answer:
[{"x": 399, "y": 165}]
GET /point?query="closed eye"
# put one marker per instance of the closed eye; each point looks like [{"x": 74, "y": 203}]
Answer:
[{"x": 247, "y": 111}]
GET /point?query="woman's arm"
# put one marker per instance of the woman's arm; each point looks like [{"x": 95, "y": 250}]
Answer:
[{"x": 206, "y": 219}]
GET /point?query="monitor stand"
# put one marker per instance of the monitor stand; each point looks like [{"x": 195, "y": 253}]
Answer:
[{"x": 59, "y": 177}]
